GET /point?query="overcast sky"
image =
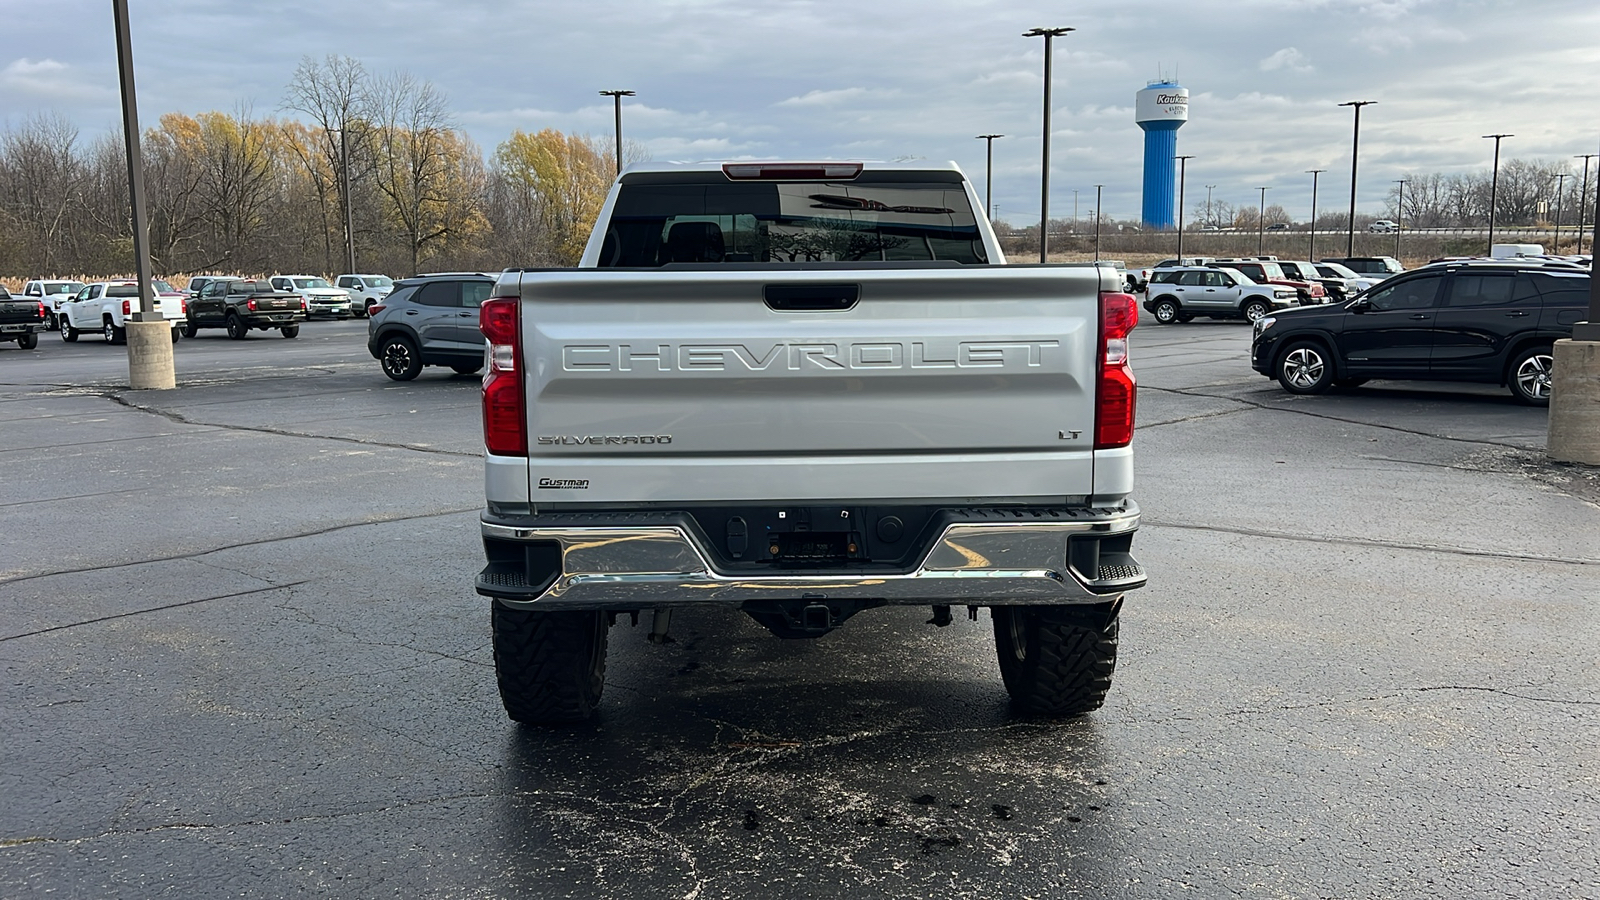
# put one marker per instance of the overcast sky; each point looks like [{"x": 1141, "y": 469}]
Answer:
[{"x": 886, "y": 79}]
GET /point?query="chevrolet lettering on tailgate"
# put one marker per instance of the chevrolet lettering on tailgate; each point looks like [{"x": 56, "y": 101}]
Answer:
[{"x": 797, "y": 356}]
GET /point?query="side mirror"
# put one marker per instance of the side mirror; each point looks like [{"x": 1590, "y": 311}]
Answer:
[{"x": 1360, "y": 304}]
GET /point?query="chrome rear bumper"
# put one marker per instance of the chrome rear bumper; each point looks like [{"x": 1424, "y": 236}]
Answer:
[{"x": 982, "y": 557}]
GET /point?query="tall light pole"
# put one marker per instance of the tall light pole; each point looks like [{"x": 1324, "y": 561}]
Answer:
[
  {"x": 616, "y": 98},
  {"x": 349, "y": 216},
  {"x": 1311, "y": 253},
  {"x": 149, "y": 345},
  {"x": 1049, "y": 35},
  {"x": 1209, "y": 218},
  {"x": 1074, "y": 212},
  {"x": 1583, "y": 199},
  {"x": 1355, "y": 153},
  {"x": 1561, "y": 188},
  {"x": 1261, "y": 221},
  {"x": 1097, "y": 220},
  {"x": 1183, "y": 172},
  {"x": 988, "y": 171},
  {"x": 1494, "y": 184},
  {"x": 1399, "y": 214}
]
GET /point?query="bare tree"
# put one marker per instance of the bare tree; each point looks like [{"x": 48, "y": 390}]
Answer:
[
  {"x": 334, "y": 93},
  {"x": 412, "y": 144},
  {"x": 40, "y": 174}
]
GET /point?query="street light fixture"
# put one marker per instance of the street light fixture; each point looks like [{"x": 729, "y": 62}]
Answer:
[
  {"x": 1311, "y": 253},
  {"x": 1049, "y": 34},
  {"x": 1261, "y": 221},
  {"x": 1561, "y": 188},
  {"x": 1399, "y": 214},
  {"x": 1183, "y": 172},
  {"x": 1355, "y": 152},
  {"x": 1494, "y": 184},
  {"x": 988, "y": 174},
  {"x": 616, "y": 98},
  {"x": 1583, "y": 199}
]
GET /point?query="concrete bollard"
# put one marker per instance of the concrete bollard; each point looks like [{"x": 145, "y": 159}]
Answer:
[
  {"x": 1575, "y": 403},
  {"x": 150, "y": 356}
]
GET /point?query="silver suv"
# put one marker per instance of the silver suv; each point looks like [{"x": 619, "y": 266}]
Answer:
[
  {"x": 1180, "y": 294},
  {"x": 366, "y": 291},
  {"x": 429, "y": 320}
]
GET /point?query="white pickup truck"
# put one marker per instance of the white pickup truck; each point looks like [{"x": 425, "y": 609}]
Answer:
[
  {"x": 52, "y": 293},
  {"x": 803, "y": 391},
  {"x": 106, "y": 306}
]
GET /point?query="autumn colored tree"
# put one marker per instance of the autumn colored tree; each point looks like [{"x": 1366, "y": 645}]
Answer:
[{"x": 558, "y": 181}]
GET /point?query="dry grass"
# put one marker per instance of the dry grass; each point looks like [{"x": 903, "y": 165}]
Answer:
[{"x": 181, "y": 282}]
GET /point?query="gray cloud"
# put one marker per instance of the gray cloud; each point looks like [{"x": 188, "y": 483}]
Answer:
[{"x": 814, "y": 78}]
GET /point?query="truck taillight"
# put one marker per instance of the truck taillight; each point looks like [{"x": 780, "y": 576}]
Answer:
[
  {"x": 183, "y": 306},
  {"x": 127, "y": 307},
  {"x": 250, "y": 305},
  {"x": 505, "y": 431},
  {"x": 303, "y": 306},
  {"x": 43, "y": 312},
  {"x": 1115, "y": 391}
]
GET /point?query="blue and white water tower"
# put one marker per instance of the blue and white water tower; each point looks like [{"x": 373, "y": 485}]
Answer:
[{"x": 1161, "y": 109}]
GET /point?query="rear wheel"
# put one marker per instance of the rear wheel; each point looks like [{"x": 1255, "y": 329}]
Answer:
[
  {"x": 1529, "y": 376},
  {"x": 189, "y": 328},
  {"x": 175, "y": 333},
  {"x": 1057, "y": 660},
  {"x": 1304, "y": 368},
  {"x": 1166, "y": 312},
  {"x": 551, "y": 666},
  {"x": 290, "y": 331},
  {"x": 399, "y": 358},
  {"x": 111, "y": 332},
  {"x": 28, "y": 341},
  {"x": 236, "y": 328}
]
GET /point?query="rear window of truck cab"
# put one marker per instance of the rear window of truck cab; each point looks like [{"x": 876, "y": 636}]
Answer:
[{"x": 703, "y": 217}]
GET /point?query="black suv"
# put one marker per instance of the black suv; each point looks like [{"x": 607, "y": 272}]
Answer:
[
  {"x": 429, "y": 320},
  {"x": 1490, "y": 322}
]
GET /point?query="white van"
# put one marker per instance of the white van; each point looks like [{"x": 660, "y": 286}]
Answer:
[{"x": 1515, "y": 251}]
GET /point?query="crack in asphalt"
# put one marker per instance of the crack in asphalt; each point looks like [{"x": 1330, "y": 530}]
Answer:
[
  {"x": 1371, "y": 543},
  {"x": 382, "y": 520},
  {"x": 1326, "y": 704},
  {"x": 1332, "y": 418},
  {"x": 181, "y": 419},
  {"x": 73, "y": 497},
  {"x": 200, "y": 826},
  {"x": 142, "y": 437},
  {"x": 139, "y": 612},
  {"x": 1194, "y": 418}
]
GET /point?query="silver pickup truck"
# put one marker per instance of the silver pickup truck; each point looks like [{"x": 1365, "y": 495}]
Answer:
[{"x": 801, "y": 391}]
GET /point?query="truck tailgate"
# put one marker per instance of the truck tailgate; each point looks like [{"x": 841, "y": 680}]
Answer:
[{"x": 665, "y": 384}]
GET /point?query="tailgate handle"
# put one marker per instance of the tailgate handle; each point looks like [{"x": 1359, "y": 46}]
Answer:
[{"x": 811, "y": 297}]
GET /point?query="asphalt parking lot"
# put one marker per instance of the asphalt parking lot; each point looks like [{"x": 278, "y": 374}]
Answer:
[{"x": 241, "y": 656}]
